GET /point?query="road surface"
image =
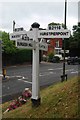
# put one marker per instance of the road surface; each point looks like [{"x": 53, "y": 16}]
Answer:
[{"x": 21, "y": 77}]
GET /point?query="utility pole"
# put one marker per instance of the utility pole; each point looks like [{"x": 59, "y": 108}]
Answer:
[
  {"x": 64, "y": 75},
  {"x": 0, "y": 57}
]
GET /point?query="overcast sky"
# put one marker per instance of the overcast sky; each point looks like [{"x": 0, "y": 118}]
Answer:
[{"x": 25, "y": 13}]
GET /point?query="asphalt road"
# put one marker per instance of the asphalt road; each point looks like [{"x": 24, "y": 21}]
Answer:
[{"x": 21, "y": 77}]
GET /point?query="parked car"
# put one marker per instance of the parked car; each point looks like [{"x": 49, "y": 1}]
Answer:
[
  {"x": 73, "y": 60},
  {"x": 55, "y": 59}
]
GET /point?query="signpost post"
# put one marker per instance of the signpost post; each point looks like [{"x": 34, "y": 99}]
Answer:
[
  {"x": 29, "y": 40},
  {"x": 35, "y": 69}
]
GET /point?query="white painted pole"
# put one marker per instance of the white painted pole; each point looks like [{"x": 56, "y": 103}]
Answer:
[{"x": 35, "y": 68}]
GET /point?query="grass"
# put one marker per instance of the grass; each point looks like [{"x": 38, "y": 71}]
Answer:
[{"x": 57, "y": 101}]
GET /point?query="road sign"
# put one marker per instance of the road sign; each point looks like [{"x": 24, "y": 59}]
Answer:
[
  {"x": 24, "y": 44},
  {"x": 20, "y": 34},
  {"x": 23, "y": 41},
  {"x": 31, "y": 45},
  {"x": 43, "y": 46},
  {"x": 62, "y": 33},
  {"x": 18, "y": 29}
]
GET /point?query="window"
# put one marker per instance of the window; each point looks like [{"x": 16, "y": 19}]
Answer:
[{"x": 57, "y": 44}]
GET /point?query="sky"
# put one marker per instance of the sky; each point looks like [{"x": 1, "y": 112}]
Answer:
[{"x": 26, "y": 13}]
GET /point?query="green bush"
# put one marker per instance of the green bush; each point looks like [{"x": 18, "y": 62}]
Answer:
[
  {"x": 50, "y": 56},
  {"x": 21, "y": 56}
]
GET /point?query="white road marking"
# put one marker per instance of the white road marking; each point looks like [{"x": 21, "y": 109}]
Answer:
[
  {"x": 69, "y": 70},
  {"x": 74, "y": 72},
  {"x": 50, "y": 69},
  {"x": 56, "y": 69},
  {"x": 18, "y": 76},
  {"x": 19, "y": 79},
  {"x": 28, "y": 82},
  {"x": 24, "y": 78},
  {"x": 14, "y": 76},
  {"x": 24, "y": 81},
  {"x": 41, "y": 75},
  {"x": 51, "y": 72},
  {"x": 8, "y": 88},
  {"x": 46, "y": 73}
]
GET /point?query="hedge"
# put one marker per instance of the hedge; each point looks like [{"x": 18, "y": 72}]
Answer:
[{"x": 20, "y": 57}]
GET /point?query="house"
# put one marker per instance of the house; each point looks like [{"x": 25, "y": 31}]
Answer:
[{"x": 54, "y": 44}]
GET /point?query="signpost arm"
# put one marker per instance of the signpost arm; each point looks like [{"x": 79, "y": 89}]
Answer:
[{"x": 35, "y": 69}]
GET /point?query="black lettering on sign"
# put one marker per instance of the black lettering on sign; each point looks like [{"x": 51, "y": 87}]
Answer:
[
  {"x": 19, "y": 44},
  {"x": 53, "y": 33},
  {"x": 25, "y": 37}
]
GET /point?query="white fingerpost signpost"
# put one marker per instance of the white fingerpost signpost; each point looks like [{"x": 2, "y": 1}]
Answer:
[
  {"x": 35, "y": 70},
  {"x": 29, "y": 40}
]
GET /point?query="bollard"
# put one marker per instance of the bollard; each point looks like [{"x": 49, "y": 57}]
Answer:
[{"x": 4, "y": 72}]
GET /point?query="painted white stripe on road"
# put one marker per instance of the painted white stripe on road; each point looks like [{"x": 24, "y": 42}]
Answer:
[
  {"x": 24, "y": 78},
  {"x": 28, "y": 82},
  {"x": 18, "y": 76},
  {"x": 56, "y": 69},
  {"x": 41, "y": 75},
  {"x": 8, "y": 88},
  {"x": 50, "y": 69},
  {"x": 24, "y": 81},
  {"x": 46, "y": 73},
  {"x": 69, "y": 70},
  {"x": 14, "y": 76},
  {"x": 51, "y": 72},
  {"x": 74, "y": 72},
  {"x": 19, "y": 79}
]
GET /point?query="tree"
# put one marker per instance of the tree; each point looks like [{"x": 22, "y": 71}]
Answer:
[
  {"x": 74, "y": 44},
  {"x": 8, "y": 46},
  {"x": 76, "y": 34}
]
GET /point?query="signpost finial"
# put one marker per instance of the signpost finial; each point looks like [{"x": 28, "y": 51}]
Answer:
[{"x": 35, "y": 25}]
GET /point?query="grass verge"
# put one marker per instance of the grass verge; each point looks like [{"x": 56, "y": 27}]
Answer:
[{"x": 57, "y": 101}]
